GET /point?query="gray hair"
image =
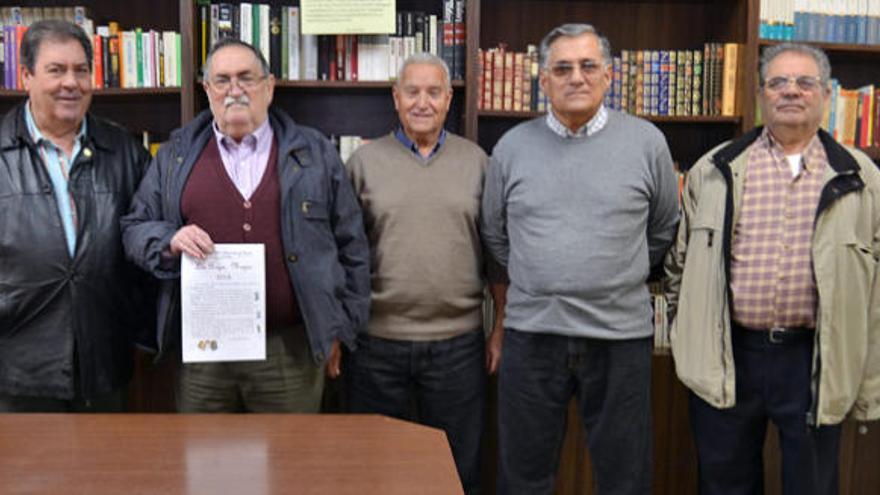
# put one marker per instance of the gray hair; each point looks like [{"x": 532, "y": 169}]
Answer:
[
  {"x": 429, "y": 59},
  {"x": 817, "y": 55},
  {"x": 571, "y": 31},
  {"x": 227, "y": 42},
  {"x": 51, "y": 30}
]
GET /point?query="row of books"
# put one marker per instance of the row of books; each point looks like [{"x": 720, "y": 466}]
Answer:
[
  {"x": 828, "y": 21},
  {"x": 661, "y": 322},
  {"x": 853, "y": 115},
  {"x": 676, "y": 82},
  {"x": 644, "y": 82},
  {"x": 276, "y": 31},
  {"x": 508, "y": 80},
  {"x": 135, "y": 58}
]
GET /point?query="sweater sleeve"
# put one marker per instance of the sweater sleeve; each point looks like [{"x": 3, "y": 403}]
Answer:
[
  {"x": 493, "y": 222},
  {"x": 663, "y": 213}
]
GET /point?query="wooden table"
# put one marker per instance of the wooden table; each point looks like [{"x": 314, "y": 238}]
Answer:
[{"x": 222, "y": 454}]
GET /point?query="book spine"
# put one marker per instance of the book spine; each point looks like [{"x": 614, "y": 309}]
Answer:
[
  {"x": 275, "y": 51},
  {"x": 139, "y": 56},
  {"x": 293, "y": 42},
  {"x": 728, "y": 90},
  {"x": 97, "y": 62},
  {"x": 663, "y": 97}
]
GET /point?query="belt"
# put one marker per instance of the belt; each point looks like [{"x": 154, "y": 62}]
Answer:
[{"x": 774, "y": 336}]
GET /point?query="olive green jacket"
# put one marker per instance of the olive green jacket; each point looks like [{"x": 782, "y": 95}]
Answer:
[{"x": 845, "y": 251}]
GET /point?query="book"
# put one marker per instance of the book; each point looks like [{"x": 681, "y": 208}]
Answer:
[{"x": 729, "y": 79}]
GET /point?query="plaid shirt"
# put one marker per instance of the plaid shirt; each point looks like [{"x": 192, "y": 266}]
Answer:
[{"x": 771, "y": 263}]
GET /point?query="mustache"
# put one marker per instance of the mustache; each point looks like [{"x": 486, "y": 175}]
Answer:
[{"x": 236, "y": 100}]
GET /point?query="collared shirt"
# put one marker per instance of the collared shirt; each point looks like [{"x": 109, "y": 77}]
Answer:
[
  {"x": 246, "y": 162},
  {"x": 412, "y": 146},
  {"x": 58, "y": 165},
  {"x": 593, "y": 126},
  {"x": 771, "y": 259}
]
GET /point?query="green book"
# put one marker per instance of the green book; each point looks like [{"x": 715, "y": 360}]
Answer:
[
  {"x": 139, "y": 55},
  {"x": 255, "y": 26},
  {"x": 285, "y": 48},
  {"x": 177, "y": 43}
]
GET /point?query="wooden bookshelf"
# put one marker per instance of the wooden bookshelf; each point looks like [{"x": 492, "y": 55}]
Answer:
[
  {"x": 345, "y": 85},
  {"x": 366, "y": 108},
  {"x": 667, "y": 119}
]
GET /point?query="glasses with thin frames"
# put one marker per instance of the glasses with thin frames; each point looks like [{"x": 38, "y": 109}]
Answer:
[
  {"x": 804, "y": 83},
  {"x": 589, "y": 68},
  {"x": 244, "y": 81}
]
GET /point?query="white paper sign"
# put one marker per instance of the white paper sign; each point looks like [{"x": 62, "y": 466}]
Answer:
[{"x": 223, "y": 304}]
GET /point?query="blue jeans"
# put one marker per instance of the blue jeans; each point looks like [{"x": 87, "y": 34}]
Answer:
[
  {"x": 611, "y": 381},
  {"x": 445, "y": 380},
  {"x": 772, "y": 383}
]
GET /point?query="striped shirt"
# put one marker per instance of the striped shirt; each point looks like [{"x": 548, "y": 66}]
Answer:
[
  {"x": 246, "y": 162},
  {"x": 771, "y": 262},
  {"x": 593, "y": 126}
]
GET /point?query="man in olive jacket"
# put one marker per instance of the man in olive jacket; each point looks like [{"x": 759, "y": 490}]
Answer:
[
  {"x": 775, "y": 288},
  {"x": 68, "y": 305}
]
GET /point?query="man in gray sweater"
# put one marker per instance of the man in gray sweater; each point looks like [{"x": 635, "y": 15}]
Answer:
[
  {"x": 420, "y": 190},
  {"x": 578, "y": 205}
]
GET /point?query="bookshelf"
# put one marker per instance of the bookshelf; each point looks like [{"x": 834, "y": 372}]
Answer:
[
  {"x": 366, "y": 108},
  {"x": 155, "y": 110}
]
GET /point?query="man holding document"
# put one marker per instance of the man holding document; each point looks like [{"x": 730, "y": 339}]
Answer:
[{"x": 237, "y": 181}]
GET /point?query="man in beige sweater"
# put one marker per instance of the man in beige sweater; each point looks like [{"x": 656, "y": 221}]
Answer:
[{"x": 420, "y": 189}]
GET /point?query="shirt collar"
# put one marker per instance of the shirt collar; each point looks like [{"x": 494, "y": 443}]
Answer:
[
  {"x": 812, "y": 156},
  {"x": 412, "y": 146},
  {"x": 593, "y": 126},
  {"x": 37, "y": 136},
  {"x": 252, "y": 140}
]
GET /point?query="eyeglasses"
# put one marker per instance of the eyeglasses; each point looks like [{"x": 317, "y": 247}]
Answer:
[
  {"x": 244, "y": 81},
  {"x": 564, "y": 70},
  {"x": 804, "y": 83}
]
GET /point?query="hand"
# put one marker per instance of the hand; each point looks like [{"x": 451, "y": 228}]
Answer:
[
  {"x": 493, "y": 349},
  {"x": 333, "y": 360},
  {"x": 193, "y": 241}
]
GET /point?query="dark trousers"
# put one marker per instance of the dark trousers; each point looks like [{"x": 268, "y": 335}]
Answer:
[
  {"x": 772, "y": 383},
  {"x": 611, "y": 381},
  {"x": 113, "y": 402},
  {"x": 445, "y": 380}
]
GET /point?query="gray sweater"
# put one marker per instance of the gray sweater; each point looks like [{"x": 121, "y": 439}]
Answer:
[{"x": 579, "y": 222}]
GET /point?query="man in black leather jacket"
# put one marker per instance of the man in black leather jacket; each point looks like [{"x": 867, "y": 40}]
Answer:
[{"x": 68, "y": 307}]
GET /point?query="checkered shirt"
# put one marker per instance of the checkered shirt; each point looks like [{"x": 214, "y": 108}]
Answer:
[
  {"x": 593, "y": 126},
  {"x": 771, "y": 263}
]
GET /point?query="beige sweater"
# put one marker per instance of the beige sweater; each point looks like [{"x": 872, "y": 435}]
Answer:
[{"x": 422, "y": 222}]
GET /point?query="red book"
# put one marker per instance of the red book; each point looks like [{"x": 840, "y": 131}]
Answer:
[
  {"x": 98, "y": 62},
  {"x": 19, "y": 34},
  {"x": 876, "y": 137}
]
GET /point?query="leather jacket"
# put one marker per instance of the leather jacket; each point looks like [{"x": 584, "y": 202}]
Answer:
[{"x": 67, "y": 323}]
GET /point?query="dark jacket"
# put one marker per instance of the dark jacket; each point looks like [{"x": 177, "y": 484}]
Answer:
[
  {"x": 321, "y": 229},
  {"x": 60, "y": 316}
]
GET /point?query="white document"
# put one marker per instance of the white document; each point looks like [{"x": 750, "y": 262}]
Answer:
[{"x": 223, "y": 304}]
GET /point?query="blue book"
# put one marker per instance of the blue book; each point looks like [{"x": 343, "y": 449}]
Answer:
[
  {"x": 799, "y": 25},
  {"x": 861, "y": 29},
  {"x": 812, "y": 26},
  {"x": 663, "y": 97}
]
